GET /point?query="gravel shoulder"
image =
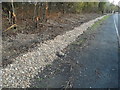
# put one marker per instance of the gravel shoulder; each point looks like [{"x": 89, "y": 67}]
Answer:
[
  {"x": 25, "y": 38},
  {"x": 27, "y": 66}
]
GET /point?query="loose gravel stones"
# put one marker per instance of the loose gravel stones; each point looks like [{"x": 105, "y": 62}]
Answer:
[{"x": 25, "y": 67}]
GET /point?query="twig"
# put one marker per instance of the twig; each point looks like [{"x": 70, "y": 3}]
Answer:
[{"x": 14, "y": 25}]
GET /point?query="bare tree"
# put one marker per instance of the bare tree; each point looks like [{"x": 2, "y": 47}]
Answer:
[
  {"x": 35, "y": 13},
  {"x": 13, "y": 13}
]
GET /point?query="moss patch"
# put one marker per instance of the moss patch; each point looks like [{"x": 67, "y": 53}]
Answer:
[{"x": 99, "y": 22}]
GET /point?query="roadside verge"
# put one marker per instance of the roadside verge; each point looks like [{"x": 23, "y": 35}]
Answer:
[{"x": 28, "y": 65}]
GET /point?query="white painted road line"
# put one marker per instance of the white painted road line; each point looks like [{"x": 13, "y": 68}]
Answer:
[{"x": 117, "y": 32}]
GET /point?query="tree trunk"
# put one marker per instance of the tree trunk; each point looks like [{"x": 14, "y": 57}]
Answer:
[
  {"x": 34, "y": 17},
  {"x": 46, "y": 10},
  {"x": 13, "y": 14},
  {"x": 9, "y": 16},
  {"x": 43, "y": 13}
]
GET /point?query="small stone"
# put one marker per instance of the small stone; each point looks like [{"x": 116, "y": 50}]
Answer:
[
  {"x": 113, "y": 69},
  {"x": 77, "y": 62},
  {"x": 60, "y": 54}
]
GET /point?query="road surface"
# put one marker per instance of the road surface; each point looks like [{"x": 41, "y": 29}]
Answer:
[{"x": 100, "y": 58}]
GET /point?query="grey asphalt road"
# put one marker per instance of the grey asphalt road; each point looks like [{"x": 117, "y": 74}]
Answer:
[{"x": 101, "y": 59}]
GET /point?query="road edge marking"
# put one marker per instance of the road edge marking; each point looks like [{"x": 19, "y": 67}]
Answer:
[{"x": 118, "y": 36}]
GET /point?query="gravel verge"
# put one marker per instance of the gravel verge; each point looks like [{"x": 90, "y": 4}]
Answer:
[
  {"x": 25, "y": 67},
  {"x": 24, "y": 38}
]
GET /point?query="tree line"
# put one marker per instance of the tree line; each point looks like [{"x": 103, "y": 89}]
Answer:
[{"x": 41, "y": 10}]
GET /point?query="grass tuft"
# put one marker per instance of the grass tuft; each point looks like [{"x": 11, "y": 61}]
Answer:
[{"x": 99, "y": 22}]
